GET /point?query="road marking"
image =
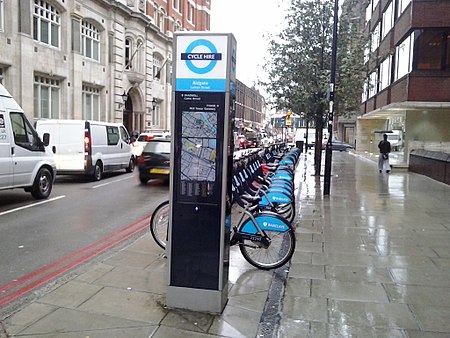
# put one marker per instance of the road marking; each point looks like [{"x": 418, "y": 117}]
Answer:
[
  {"x": 107, "y": 183},
  {"x": 31, "y": 205},
  {"x": 19, "y": 287}
]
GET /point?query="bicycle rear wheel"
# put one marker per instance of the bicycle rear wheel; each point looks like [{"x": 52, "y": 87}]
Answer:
[
  {"x": 278, "y": 253},
  {"x": 159, "y": 224}
]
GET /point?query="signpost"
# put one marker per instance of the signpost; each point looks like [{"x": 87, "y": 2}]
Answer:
[{"x": 202, "y": 157}]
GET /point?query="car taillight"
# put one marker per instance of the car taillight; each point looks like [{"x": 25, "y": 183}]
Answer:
[
  {"x": 87, "y": 143},
  {"x": 140, "y": 160}
]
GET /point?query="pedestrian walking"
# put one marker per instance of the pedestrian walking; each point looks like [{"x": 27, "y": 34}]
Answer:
[{"x": 383, "y": 160}]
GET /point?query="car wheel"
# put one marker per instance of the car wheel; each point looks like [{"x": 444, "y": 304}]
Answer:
[
  {"x": 98, "y": 170},
  {"x": 130, "y": 167},
  {"x": 143, "y": 180},
  {"x": 42, "y": 185}
]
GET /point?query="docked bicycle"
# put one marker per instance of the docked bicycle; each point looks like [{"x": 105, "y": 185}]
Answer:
[{"x": 265, "y": 236}]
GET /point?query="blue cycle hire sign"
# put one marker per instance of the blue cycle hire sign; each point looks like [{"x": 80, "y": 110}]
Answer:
[{"x": 201, "y": 63}]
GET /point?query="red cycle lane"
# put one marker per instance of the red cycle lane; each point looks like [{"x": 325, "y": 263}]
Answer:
[{"x": 25, "y": 284}]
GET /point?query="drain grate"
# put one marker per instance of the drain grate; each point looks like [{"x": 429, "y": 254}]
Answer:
[{"x": 271, "y": 316}]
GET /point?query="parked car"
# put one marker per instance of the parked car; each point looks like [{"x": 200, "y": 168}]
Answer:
[
  {"x": 337, "y": 145},
  {"x": 154, "y": 162}
]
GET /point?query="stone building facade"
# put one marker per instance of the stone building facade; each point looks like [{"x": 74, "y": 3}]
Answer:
[{"x": 106, "y": 60}]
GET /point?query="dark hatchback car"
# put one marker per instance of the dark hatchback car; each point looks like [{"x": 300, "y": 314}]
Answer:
[{"x": 154, "y": 162}]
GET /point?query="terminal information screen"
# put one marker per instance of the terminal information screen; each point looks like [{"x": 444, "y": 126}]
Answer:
[{"x": 200, "y": 129}]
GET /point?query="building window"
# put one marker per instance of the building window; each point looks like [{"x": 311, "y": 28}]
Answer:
[
  {"x": 373, "y": 83},
  {"x": 159, "y": 18},
  {"x": 90, "y": 41},
  {"x": 208, "y": 21},
  {"x": 176, "y": 4},
  {"x": 388, "y": 20},
  {"x": 142, "y": 5},
  {"x": 369, "y": 11},
  {"x": 191, "y": 12},
  {"x": 137, "y": 59},
  {"x": 177, "y": 26},
  {"x": 133, "y": 57},
  {"x": 1, "y": 75},
  {"x": 402, "y": 4},
  {"x": 157, "y": 63},
  {"x": 156, "y": 116},
  {"x": 128, "y": 53},
  {"x": 46, "y": 97},
  {"x": 385, "y": 72},
  {"x": 2, "y": 19},
  {"x": 364, "y": 92},
  {"x": 375, "y": 39},
  {"x": 91, "y": 103},
  {"x": 46, "y": 23},
  {"x": 431, "y": 50},
  {"x": 403, "y": 58}
]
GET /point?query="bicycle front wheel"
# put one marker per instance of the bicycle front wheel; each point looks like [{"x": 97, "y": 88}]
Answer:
[
  {"x": 159, "y": 224},
  {"x": 278, "y": 253}
]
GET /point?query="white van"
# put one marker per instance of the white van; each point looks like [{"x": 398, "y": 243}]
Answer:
[
  {"x": 88, "y": 147},
  {"x": 24, "y": 160}
]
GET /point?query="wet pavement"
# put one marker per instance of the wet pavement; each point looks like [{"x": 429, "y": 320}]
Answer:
[{"x": 371, "y": 260}]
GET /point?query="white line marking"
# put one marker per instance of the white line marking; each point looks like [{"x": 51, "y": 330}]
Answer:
[
  {"x": 107, "y": 183},
  {"x": 32, "y": 205}
]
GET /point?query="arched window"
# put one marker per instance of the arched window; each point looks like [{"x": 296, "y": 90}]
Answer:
[
  {"x": 90, "y": 37},
  {"x": 46, "y": 23}
]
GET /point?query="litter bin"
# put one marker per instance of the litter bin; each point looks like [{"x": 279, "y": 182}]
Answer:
[{"x": 299, "y": 145}]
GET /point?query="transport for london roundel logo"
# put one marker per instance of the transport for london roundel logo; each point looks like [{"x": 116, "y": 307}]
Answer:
[{"x": 210, "y": 58}]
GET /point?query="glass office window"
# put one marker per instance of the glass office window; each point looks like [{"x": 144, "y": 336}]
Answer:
[
  {"x": 404, "y": 54},
  {"x": 385, "y": 73},
  {"x": 431, "y": 49},
  {"x": 388, "y": 19}
]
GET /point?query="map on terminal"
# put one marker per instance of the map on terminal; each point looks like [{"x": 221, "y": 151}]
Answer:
[{"x": 198, "y": 147}]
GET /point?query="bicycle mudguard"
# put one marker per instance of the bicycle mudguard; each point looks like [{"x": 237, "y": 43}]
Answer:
[
  {"x": 266, "y": 220},
  {"x": 286, "y": 161},
  {"x": 278, "y": 189},
  {"x": 274, "y": 197},
  {"x": 281, "y": 175}
]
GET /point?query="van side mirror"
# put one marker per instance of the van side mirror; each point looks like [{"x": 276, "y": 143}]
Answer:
[{"x": 46, "y": 139}]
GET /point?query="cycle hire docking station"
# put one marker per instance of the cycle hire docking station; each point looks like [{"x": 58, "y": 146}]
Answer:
[{"x": 202, "y": 156}]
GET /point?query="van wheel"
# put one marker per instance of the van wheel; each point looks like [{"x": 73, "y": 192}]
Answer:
[
  {"x": 97, "y": 172},
  {"x": 42, "y": 186},
  {"x": 130, "y": 167}
]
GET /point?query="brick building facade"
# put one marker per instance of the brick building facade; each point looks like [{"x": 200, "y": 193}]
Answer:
[{"x": 408, "y": 89}]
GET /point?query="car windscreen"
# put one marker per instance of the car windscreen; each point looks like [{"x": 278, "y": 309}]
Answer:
[{"x": 157, "y": 147}]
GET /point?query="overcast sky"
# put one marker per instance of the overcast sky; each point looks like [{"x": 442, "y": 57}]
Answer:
[{"x": 250, "y": 21}]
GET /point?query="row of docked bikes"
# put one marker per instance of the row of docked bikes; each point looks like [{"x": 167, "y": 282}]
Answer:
[{"x": 263, "y": 190}]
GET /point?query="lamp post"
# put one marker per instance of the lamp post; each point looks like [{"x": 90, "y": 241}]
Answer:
[{"x": 328, "y": 149}]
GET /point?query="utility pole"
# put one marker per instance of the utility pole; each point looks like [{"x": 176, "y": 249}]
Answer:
[{"x": 328, "y": 149}]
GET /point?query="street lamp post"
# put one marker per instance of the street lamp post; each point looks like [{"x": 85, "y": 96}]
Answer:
[{"x": 328, "y": 149}]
